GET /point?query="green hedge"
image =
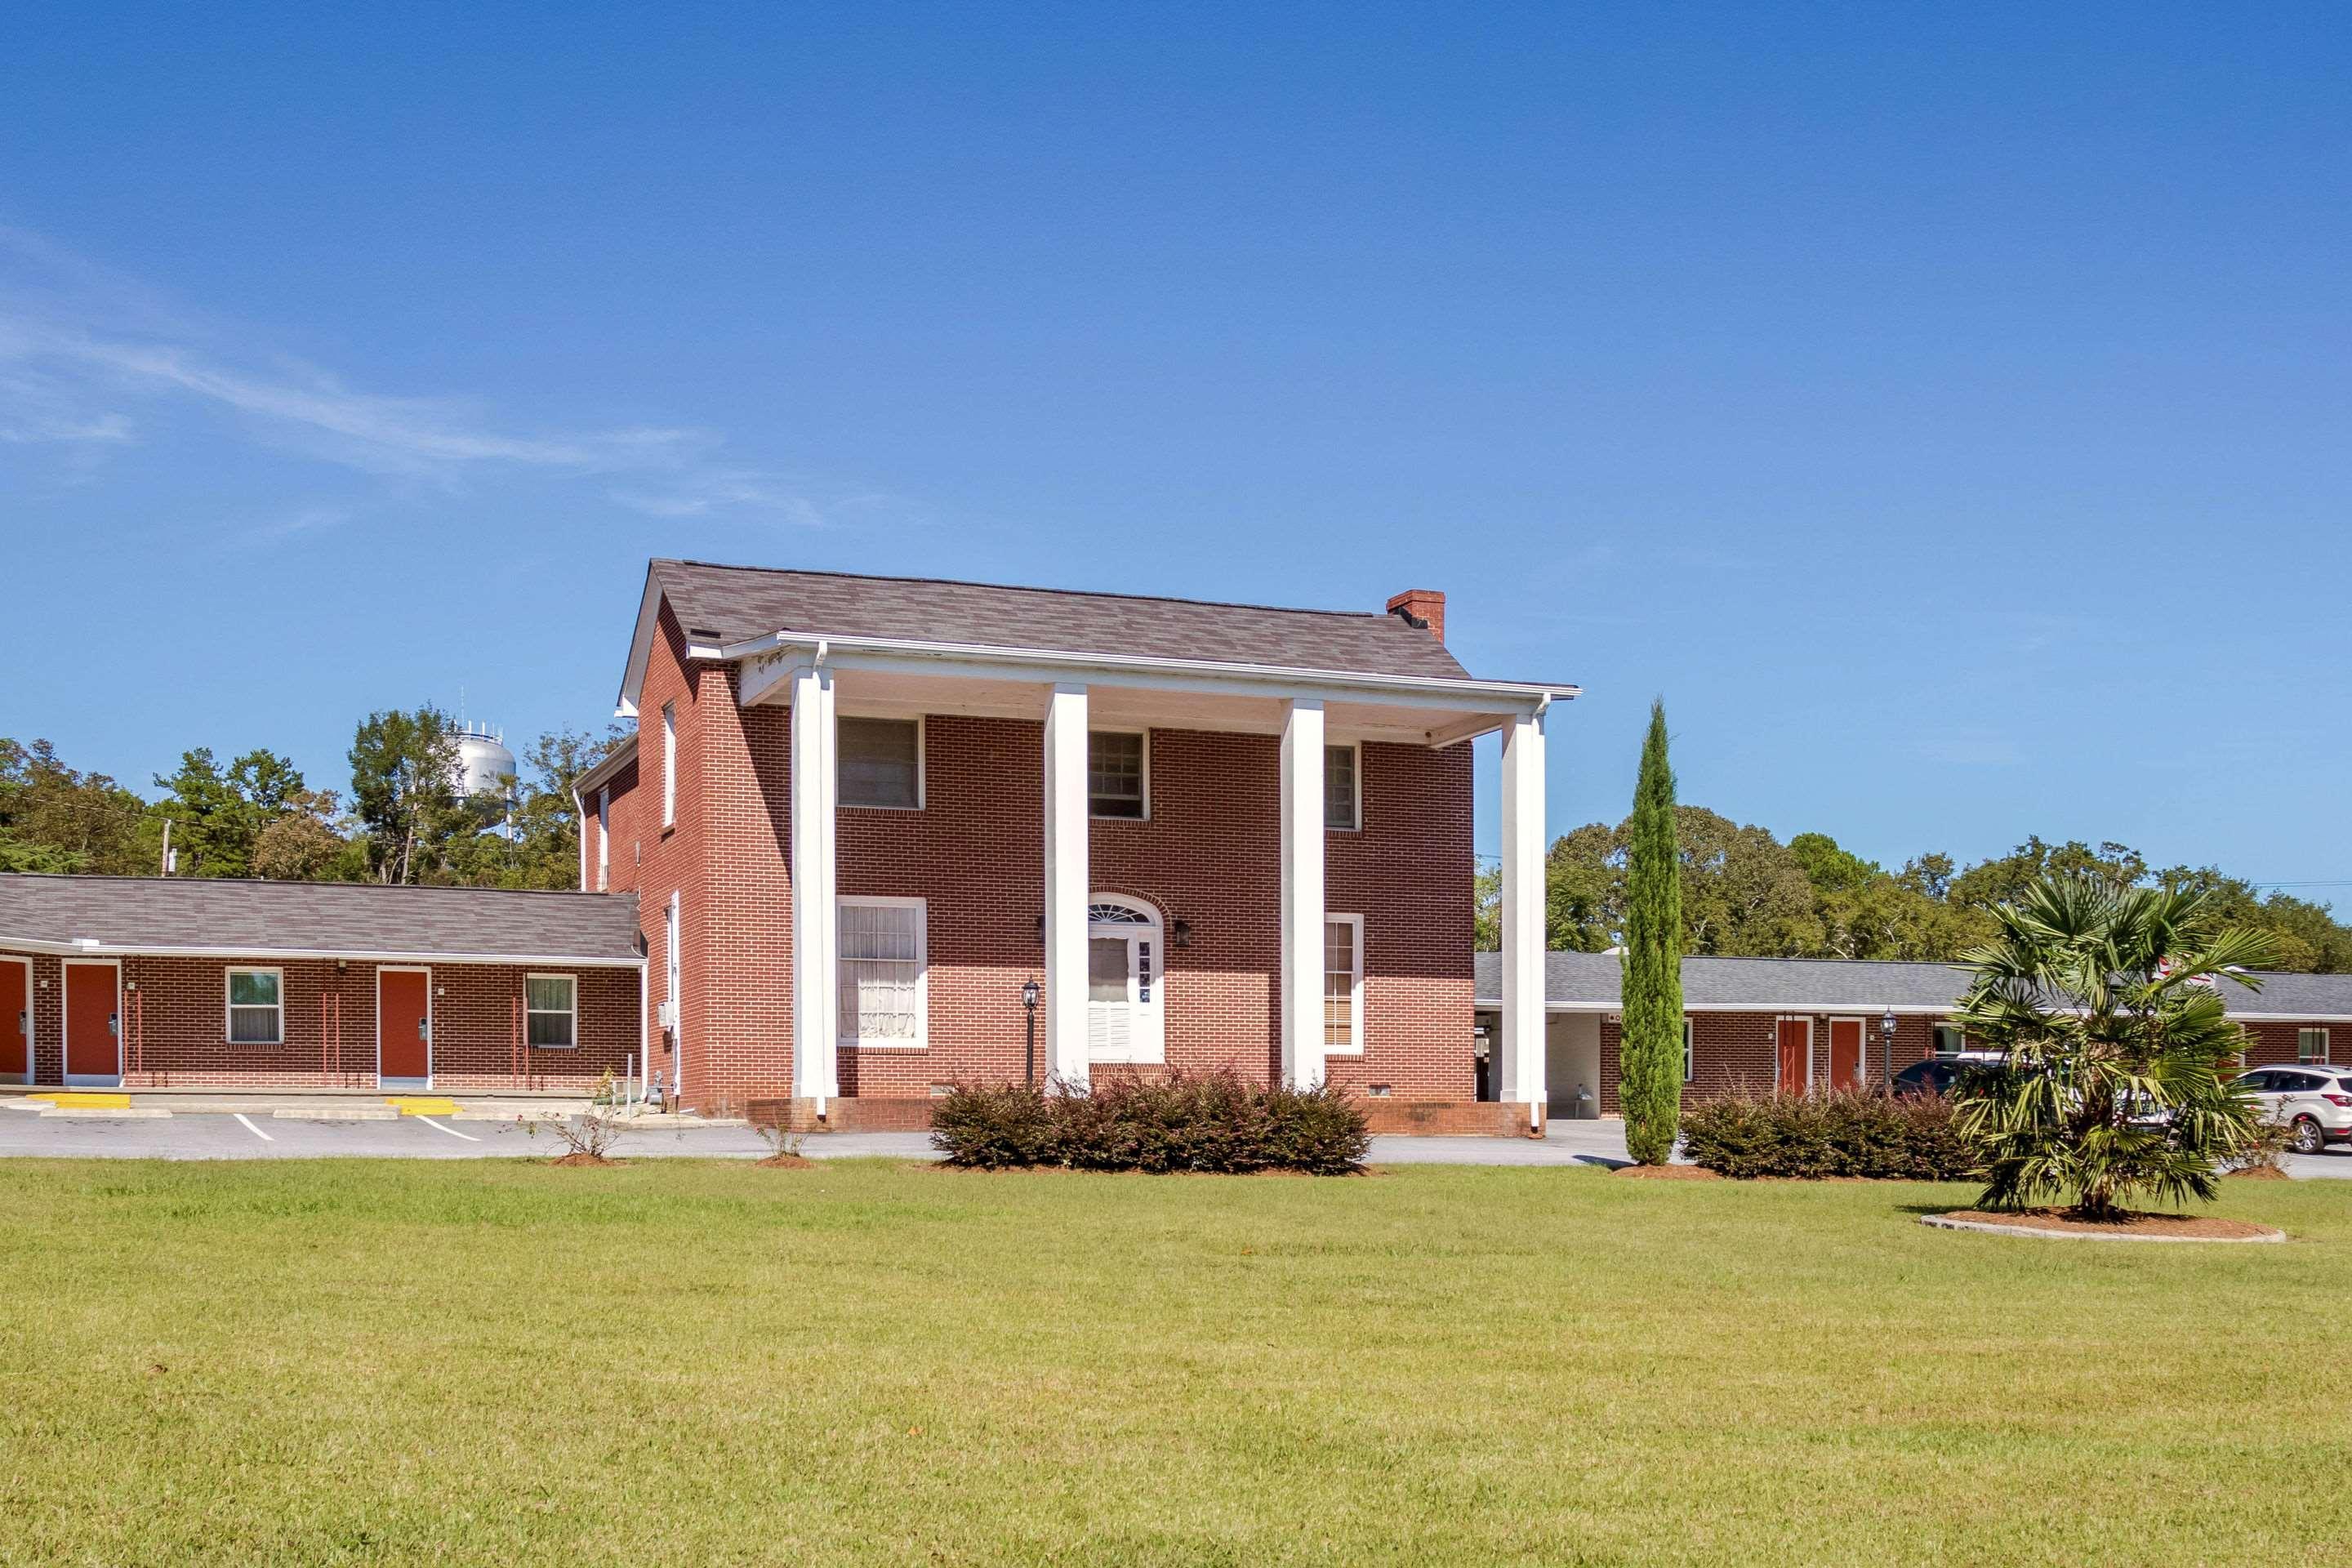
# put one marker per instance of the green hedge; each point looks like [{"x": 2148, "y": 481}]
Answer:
[
  {"x": 1212, "y": 1121},
  {"x": 1831, "y": 1133}
]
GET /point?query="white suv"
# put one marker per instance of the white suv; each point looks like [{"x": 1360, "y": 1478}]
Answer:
[{"x": 2314, "y": 1102}]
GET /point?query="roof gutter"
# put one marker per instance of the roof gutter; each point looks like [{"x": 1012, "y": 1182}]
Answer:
[
  {"x": 1517, "y": 694},
  {"x": 93, "y": 947}
]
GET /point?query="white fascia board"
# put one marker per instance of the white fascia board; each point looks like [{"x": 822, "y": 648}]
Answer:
[
  {"x": 603, "y": 772},
  {"x": 641, "y": 651},
  {"x": 1048, "y": 665},
  {"x": 1785, "y": 1009},
  {"x": 93, "y": 947}
]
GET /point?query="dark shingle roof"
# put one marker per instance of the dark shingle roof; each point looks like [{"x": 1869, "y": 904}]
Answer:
[
  {"x": 1590, "y": 980},
  {"x": 361, "y": 920},
  {"x": 734, "y": 603}
]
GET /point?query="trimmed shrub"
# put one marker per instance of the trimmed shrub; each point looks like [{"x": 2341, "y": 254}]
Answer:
[
  {"x": 1831, "y": 1133},
  {"x": 1207, "y": 1122}
]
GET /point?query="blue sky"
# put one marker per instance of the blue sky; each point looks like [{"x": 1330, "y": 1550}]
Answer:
[{"x": 1944, "y": 408}]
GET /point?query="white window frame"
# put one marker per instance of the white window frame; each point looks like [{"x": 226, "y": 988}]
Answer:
[
  {"x": 1937, "y": 1032},
  {"x": 1356, "y": 998},
  {"x": 2319, "y": 1060},
  {"x": 1093, "y": 730},
  {"x": 669, "y": 765},
  {"x": 1355, "y": 777},
  {"x": 574, "y": 1011},
  {"x": 604, "y": 838},
  {"x": 922, "y": 762},
  {"x": 922, "y": 1040},
  {"x": 228, "y": 1007},
  {"x": 1690, "y": 1048}
]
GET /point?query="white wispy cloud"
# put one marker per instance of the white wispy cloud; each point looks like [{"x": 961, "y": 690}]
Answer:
[{"x": 83, "y": 349}]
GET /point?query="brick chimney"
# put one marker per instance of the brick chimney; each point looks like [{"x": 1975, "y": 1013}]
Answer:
[{"x": 1421, "y": 607}]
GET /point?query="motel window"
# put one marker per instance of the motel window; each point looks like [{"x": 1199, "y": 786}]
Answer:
[
  {"x": 880, "y": 762},
  {"x": 1343, "y": 984},
  {"x": 2311, "y": 1045},
  {"x": 256, "y": 1007},
  {"x": 1342, "y": 788},
  {"x": 881, "y": 981},
  {"x": 1690, "y": 1055},
  {"x": 552, "y": 1010},
  {"x": 1950, "y": 1039},
  {"x": 604, "y": 838},
  {"x": 1118, "y": 771},
  {"x": 670, "y": 765}
]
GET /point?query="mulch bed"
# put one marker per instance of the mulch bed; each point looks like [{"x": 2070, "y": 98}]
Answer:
[
  {"x": 586, "y": 1159},
  {"x": 787, "y": 1162},
  {"x": 2169, "y": 1226},
  {"x": 2261, "y": 1174},
  {"x": 1669, "y": 1172}
]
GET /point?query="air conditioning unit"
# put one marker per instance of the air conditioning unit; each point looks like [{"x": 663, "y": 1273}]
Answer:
[{"x": 666, "y": 1016}]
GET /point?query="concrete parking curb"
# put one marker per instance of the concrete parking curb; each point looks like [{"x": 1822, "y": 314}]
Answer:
[
  {"x": 102, "y": 1113},
  {"x": 1946, "y": 1222},
  {"x": 340, "y": 1113}
]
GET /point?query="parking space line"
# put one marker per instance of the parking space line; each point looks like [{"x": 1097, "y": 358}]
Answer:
[
  {"x": 249, "y": 1127},
  {"x": 451, "y": 1131}
]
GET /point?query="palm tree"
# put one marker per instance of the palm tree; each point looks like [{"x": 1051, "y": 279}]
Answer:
[{"x": 2116, "y": 1083}]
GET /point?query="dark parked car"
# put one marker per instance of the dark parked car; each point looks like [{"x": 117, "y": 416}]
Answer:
[{"x": 1936, "y": 1075}]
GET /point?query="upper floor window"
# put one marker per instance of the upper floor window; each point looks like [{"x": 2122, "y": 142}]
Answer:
[
  {"x": 670, "y": 765},
  {"x": 552, "y": 1010},
  {"x": 2311, "y": 1045},
  {"x": 1118, "y": 774},
  {"x": 256, "y": 1007},
  {"x": 880, "y": 762},
  {"x": 1343, "y": 799}
]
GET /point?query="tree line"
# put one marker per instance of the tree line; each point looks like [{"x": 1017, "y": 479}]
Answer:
[
  {"x": 257, "y": 815},
  {"x": 1746, "y": 894}
]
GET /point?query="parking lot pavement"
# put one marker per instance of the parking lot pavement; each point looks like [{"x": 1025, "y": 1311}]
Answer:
[{"x": 209, "y": 1136}]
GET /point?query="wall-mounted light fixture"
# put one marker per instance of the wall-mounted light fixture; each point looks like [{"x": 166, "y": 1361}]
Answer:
[{"x": 1181, "y": 932}]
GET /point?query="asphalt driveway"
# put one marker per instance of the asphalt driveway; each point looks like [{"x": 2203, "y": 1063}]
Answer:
[{"x": 225, "y": 1136}]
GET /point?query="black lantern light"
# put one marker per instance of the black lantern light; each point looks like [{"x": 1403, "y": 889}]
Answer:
[
  {"x": 1887, "y": 1056},
  {"x": 1029, "y": 1061}
]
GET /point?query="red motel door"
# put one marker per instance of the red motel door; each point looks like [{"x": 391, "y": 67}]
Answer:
[
  {"x": 1845, "y": 1052},
  {"x": 1796, "y": 1038},
  {"x": 90, "y": 1021},
  {"x": 404, "y": 1021},
  {"x": 15, "y": 1022}
]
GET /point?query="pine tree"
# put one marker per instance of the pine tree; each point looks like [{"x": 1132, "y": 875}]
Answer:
[{"x": 1649, "y": 1053}]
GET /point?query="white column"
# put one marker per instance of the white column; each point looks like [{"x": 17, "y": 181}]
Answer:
[
  {"x": 1066, "y": 885},
  {"x": 1518, "y": 1063},
  {"x": 1302, "y": 892},
  {"x": 816, "y": 946}
]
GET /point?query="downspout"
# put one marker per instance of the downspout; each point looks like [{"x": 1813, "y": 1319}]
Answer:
[
  {"x": 825, "y": 1083},
  {"x": 1543, "y": 973}
]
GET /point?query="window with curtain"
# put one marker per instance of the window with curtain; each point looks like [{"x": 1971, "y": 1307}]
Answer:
[
  {"x": 881, "y": 975},
  {"x": 1114, "y": 773},
  {"x": 2311, "y": 1045},
  {"x": 1343, "y": 983},
  {"x": 1339, "y": 792},
  {"x": 880, "y": 762},
  {"x": 552, "y": 1010},
  {"x": 1950, "y": 1039},
  {"x": 256, "y": 1010}
]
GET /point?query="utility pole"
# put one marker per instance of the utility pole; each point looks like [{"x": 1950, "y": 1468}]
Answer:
[{"x": 167, "y": 847}]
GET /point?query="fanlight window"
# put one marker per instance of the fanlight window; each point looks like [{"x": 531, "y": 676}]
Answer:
[{"x": 1116, "y": 915}]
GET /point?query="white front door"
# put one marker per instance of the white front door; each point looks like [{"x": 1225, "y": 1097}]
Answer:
[{"x": 1123, "y": 982}]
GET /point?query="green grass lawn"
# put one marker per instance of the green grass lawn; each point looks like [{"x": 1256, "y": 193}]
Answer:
[{"x": 494, "y": 1361}]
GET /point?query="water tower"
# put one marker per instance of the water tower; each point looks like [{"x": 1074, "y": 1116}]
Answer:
[{"x": 485, "y": 766}]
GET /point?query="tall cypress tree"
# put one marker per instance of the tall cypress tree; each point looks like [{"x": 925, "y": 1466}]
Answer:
[{"x": 1649, "y": 1053}]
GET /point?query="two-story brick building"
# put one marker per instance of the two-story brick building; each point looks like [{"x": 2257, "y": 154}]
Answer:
[{"x": 861, "y": 815}]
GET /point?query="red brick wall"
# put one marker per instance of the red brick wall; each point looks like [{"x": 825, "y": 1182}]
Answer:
[
  {"x": 1732, "y": 1052},
  {"x": 628, "y": 842},
  {"x": 1209, "y": 855},
  {"x": 175, "y": 1026},
  {"x": 2274, "y": 1044}
]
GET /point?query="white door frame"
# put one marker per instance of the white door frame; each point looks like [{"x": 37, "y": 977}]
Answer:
[
  {"x": 65, "y": 1026},
  {"x": 1147, "y": 1034},
  {"x": 1861, "y": 1053},
  {"x": 1807, "y": 1020},
  {"x": 28, "y": 1077},
  {"x": 381, "y": 971}
]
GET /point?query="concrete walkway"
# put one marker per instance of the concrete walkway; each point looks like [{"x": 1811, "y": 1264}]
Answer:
[{"x": 314, "y": 1133}]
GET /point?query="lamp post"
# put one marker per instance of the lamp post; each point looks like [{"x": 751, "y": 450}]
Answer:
[
  {"x": 1887, "y": 1056},
  {"x": 1029, "y": 1057}
]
